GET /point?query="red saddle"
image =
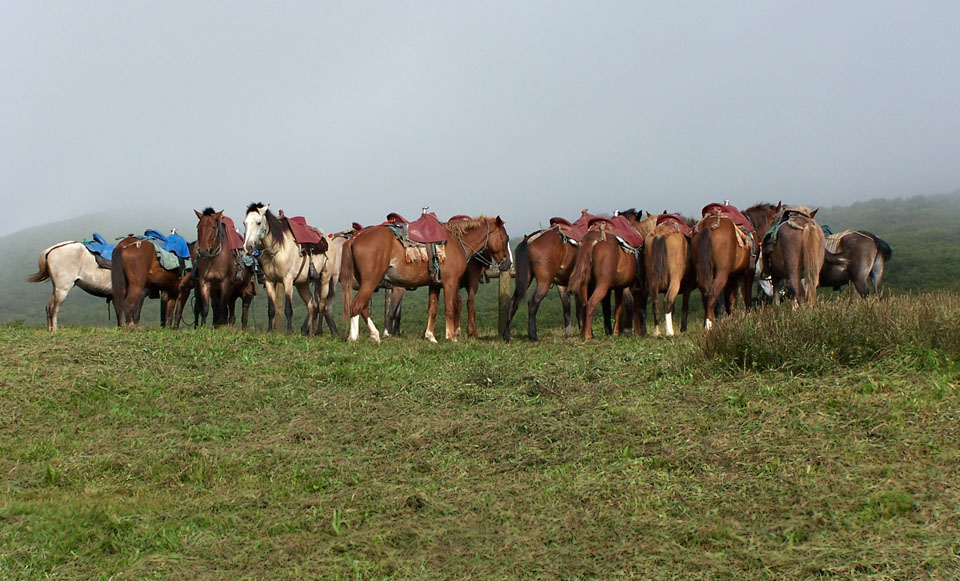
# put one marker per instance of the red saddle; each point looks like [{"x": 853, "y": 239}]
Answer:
[
  {"x": 618, "y": 226},
  {"x": 576, "y": 230},
  {"x": 304, "y": 233},
  {"x": 233, "y": 237},
  {"x": 677, "y": 221},
  {"x": 728, "y": 211},
  {"x": 425, "y": 229},
  {"x": 459, "y": 218}
]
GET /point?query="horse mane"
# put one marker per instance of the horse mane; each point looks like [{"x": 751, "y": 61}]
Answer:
[
  {"x": 208, "y": 211},
  {"x": 458, "y": 227},
  {"x": 277, "y": 227},
  {"x": 254, "y": 207},
  {"x": 762, "y": 206}
]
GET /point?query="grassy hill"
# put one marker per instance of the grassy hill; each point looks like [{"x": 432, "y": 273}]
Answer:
[
  {"x": 217, "y": 454},
  {"x": 924, "y": 232}
]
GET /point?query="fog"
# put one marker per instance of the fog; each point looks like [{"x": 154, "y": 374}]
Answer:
[{"x": 346, "y": 111}]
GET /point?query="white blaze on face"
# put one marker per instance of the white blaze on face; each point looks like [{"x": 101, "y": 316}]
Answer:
[{"x": 248, "y": 228}]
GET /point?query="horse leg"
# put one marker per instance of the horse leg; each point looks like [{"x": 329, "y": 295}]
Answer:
[
  {"x": 600, "y": 292},
  {"x": 451, "y": 307},
  {"x": 686, "y": 311},
  {"x": 245, "y": 301},
  {"x": 432, "y": 304},
  {"x": 713, "y": 295},
  {"x": 306, "y": 295},
  {"x": 457, "y": 309},
  {"x": 655, "y": 297},
  {"x": 53, "y": 306},
  {"x": 640, "y": 314},
  {"x": 669, "y": 304},
  {"x": 533, "y": 306},
  {"x": 565, "y": 309},
  {"x": 204, "y": 292},
  {"x": 471, "y": 309},
  {"x": 605, "y": 304},
  {"x": 391, "y": 325},
  {"x": 365, "y": 312},
  {"x": 617, "y": 310},
  {"x": 271, "y": 288},
  {"x": 288, "y": 304}
]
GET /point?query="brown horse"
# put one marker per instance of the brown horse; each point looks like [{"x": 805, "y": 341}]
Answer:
[
  {"x": 136, "y": 272},
  {"x": 220, "y": 275},
  {"x": 669, "y": 268},
  {"x": 603, "y": 265},
  {"x": 866, "y": 257},
  {"x": 724, "y": 255},
  {"x": 374, "y": 255},
  {"x": 794, "y": 251}
]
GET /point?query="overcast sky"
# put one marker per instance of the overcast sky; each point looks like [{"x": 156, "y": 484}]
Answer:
[{"x": 346, "y": 111}]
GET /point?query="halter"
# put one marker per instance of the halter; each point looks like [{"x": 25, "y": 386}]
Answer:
[{"x": 258, "y": 240}]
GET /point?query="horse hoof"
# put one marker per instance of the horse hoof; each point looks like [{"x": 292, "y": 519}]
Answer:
[
  {"x": 430, "y": 337},
  {"x": 375, "y": 337}
]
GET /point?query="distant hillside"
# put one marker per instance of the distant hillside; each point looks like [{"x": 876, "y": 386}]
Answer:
[{"x": 924, "y": 232}]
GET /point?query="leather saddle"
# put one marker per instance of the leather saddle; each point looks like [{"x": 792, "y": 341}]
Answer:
[{"x": 425, "y": 229}]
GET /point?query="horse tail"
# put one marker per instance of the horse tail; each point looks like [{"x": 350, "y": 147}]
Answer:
[
  {"x": 580, "y": 275},
  {"x": 658, "y": 275},
  {"x": 118, "y": 281},
  {"x": 705, "y": 260},
  {"x": 43, "y": 270},
  {"x": 813, "y": 245},
  {"x": 523, "y": 268},
  {"x": 883, "y": 248},
  {"x": 347, "y": 278},
  {"x": 884, "y": 252}
]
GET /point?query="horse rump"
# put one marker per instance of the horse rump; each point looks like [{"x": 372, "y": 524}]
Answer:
[{"x": 43, "y": 271}]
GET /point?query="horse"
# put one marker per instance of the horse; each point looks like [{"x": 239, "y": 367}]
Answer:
[
  {"x": 724, "y": 255},
  {"x": 375, "y": 254},
  {"x": 219, "y": 273},
  {"x": 794, "y": 252},
  {"x": 669, "y": 269},
  {"x": 603, "y": 265},
  {"x": 67, "y": 264},
  {"x": 335, "y": 244},
  {"x": 137, "y": 273},
  {"x": 285, "y": 265},
  {"x": 866, "y": 255}
]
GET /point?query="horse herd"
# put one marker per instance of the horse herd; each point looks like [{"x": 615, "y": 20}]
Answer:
[{"x": 592, "y": 258}]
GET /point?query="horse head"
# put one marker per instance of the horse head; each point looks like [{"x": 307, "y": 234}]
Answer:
[
  {"x": 208, "y": 233},
  {"x": 254, "y": 227}
]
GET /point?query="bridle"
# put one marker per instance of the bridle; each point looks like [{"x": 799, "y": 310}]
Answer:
[
  {"x": 478, "y": 254},
  {"x": 220, "y": 237}
]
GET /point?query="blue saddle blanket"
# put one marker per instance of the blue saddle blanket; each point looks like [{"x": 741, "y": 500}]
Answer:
[
  {"x": 173, "y": 243},
  {"x": 100, "y": 246}
]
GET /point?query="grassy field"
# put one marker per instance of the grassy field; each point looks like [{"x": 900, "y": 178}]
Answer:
[{"x": 214, "y": 454}]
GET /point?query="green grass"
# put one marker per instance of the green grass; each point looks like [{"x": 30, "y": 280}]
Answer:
[{"x": 214, "y": 454}]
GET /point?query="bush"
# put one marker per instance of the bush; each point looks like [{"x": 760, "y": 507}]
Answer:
[{"x": 835, "y": 333}]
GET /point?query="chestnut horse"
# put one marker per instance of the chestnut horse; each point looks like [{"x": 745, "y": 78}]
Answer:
[
  {"x": 724, "y": 258},
  {"x": 285, "y": 266},
  {"x": 219, "y": 273},
  {"x": 866, "y": 257},
  {"x": 603, "y": 265},
  {"x": 137, "y": 272},
  {"x": 794, "y": 252},
  {"x": 374, "y": 255},
  {"x": 669, "y": 268}
]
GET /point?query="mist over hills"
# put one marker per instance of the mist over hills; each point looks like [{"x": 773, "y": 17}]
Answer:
[{"x": 924, "y": 232}]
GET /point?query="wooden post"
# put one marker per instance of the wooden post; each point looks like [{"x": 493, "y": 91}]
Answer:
[{"x": 504, "y": 301}]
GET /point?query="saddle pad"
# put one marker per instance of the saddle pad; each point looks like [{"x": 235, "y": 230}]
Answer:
[
  {"x": 233, "y": 237},
  {"x": 728, "y": 211},
  {"x": 676, "y": 221},
  {"x": 169, "y": 260},
  {"x": 427, "y": 228},
  {"x": 832, "y": 242},
  {"x": 99, "y": 247},
  {"x": 303, "y": 233}
]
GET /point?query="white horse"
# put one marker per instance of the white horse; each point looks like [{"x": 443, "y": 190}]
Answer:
[
  {"x": 284, "y": 265},
  {"x": 67, "y": 264}
]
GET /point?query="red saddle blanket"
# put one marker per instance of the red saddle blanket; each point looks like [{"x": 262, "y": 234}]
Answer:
[
  {"x": 619, "y": 227},
  {"x": 728, "y": 211},
  {"x": 427, "y": 228},
  {"x": 233, "y": 237},
  {"x": 576, "y": 230},
  {"x": 676, "y": 221},
  {"x": 304, "y": 233}
]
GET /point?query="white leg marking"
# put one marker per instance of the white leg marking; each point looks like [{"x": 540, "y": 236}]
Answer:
[
  {"x": 708, "y": 324},
  {"x": 354, "y": 328},
  {"x": 669, "y": 324},
  {"x": 656, "y": 330},
  {"x": 374, "y": 334},
  {"x": 429, "y": 337}
]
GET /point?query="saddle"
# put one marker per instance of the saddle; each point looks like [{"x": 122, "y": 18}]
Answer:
[
  {"x": 677, "y": 222},
  {"x": 174, "y": 243},
  {"x": 233, "y": 237},
  {"x": 100, "y": 248},
  {"x": 832, "y": 242},
  {"x": 729, "y": 212},
  {"x": 425, "y": 229},
  {"x": 310, "y": 239},
  {"x": 784, "y": 218},
  {"x": 619, "y": 227},
  {"x": 574, "y": 231}
]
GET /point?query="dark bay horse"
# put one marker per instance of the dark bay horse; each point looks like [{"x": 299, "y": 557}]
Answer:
[
  {"x": 137, "y": 272},
  {"x": 724, "y": 256},
  {"x": 794, "y": 251},
  {"x": 866, "y": 256},
  {"x": 602, "y": 265},
  {"x": 374, "y": 255},
  {"x": 220, "y": 276},
  {"x": 669, "y": 268}
]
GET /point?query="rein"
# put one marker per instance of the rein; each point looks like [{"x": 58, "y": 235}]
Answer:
[{"x": 478, "y": 254}]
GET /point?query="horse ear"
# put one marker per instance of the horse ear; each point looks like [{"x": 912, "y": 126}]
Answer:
[
  {"x": 220, "y": 214},
  {"x": 199, "y": 215},
  {"x": 499, "y": 220},
  {"x": 814, "y": 213},
  {"x": 779, "y": 205}
]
